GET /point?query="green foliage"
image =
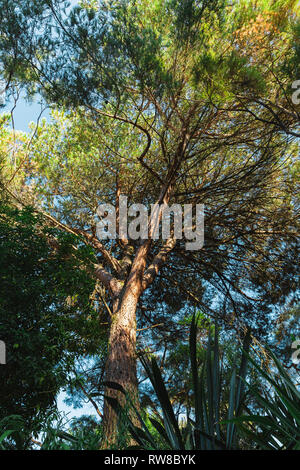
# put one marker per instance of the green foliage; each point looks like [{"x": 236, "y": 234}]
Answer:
[
  {"x": 11, "y": 431},
  {"x": 277, "y": 425},
  {"x": 272, "y": 422},
  {"x": 162, "y": 73},
  {"x": 186, "y": 98},
  {"x": 47, "y": 319},
  {"x": 203, "y": 430},
  {"x": 56, "y": 433},
  {"x": 59, "y": 433}
]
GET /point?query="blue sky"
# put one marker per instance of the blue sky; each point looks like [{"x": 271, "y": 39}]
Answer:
[{"x": 24, "y": 113}]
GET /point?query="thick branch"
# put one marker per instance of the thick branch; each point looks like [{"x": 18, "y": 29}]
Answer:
[
  {"x": 93, "y": 240},
  {"x": 108, "y": 280},
  {"x": 158, "y": 261}
]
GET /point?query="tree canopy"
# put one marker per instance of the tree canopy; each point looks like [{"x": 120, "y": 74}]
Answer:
[{"x": 174, "y": 102}]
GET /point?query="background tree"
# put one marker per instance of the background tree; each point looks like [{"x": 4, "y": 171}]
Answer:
[{"x": 47, "y": 318}]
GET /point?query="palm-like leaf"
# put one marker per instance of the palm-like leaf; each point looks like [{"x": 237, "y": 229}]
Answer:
[{"x": 202, "y": 432}]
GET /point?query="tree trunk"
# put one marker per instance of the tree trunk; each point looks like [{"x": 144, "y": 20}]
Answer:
[{"x": 121, "y": 362}]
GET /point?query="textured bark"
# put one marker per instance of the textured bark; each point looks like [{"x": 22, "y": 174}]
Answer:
[{"x": 121, "y": 362}]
